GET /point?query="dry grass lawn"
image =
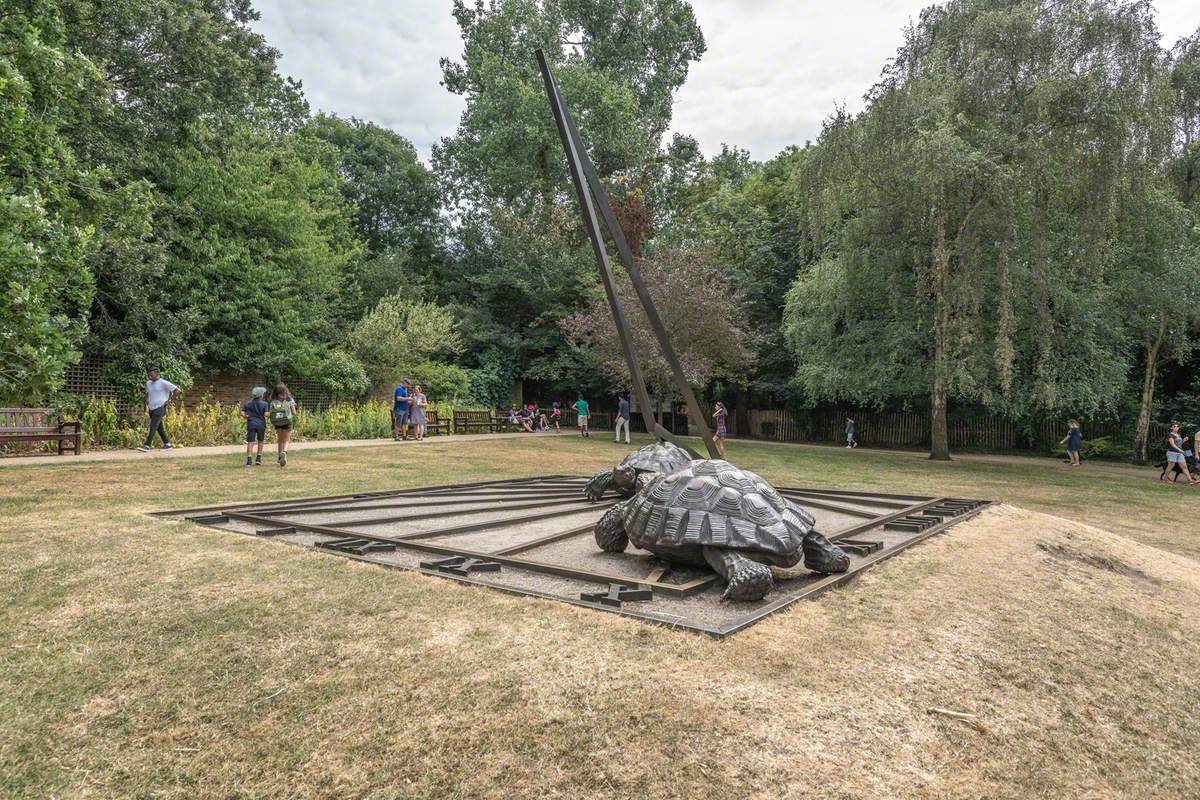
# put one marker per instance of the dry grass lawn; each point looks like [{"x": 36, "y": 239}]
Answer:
[{"x": 143, "y": 658}]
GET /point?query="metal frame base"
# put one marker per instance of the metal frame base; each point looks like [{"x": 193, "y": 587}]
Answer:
[{"x": 420, "y": 529}]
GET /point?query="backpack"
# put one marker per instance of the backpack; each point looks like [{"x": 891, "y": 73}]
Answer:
[{"x": 281, "y": 413}]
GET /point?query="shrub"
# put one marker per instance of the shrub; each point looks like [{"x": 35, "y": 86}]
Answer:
[
  {"x": 491, "y": 382},
  {"x": 443, "y": 381},
  {"x": 343, "y": 375},
  {"x": 399, "y": 334}
]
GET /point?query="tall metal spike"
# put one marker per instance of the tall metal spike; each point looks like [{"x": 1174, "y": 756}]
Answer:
[{"x": 584, "y": 177}]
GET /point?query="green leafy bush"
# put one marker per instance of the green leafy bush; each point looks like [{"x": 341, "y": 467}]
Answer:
[
  {"x": 343, "y": 375},
  {"x": 444, "y": 381},
  {"x": 398, "y": 334},
  {"x": 491, "y": 382}
]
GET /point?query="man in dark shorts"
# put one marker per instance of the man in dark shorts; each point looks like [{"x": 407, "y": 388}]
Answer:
[
  {"x": 254, "y": 411},
  {"x": 400, "y": 412}
]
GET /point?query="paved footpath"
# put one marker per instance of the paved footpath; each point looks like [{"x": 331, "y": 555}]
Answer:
[{"x": 231, "y": 449}]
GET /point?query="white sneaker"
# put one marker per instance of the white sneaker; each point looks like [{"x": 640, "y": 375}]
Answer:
[{"x": 143, "y": 449}]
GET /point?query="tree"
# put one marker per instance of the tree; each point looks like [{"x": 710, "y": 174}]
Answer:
[
  {"x": 399, "y": 334},
  {"x": 1160, "y": 238},
  {"x": 701, "y": 307},
  {"x": 619, "y": 61},
  {"x": 260, "y": 246},
  {"x": 176, "y": 79},
  {"x": 752, "y": 217},
  {"x": 1161, "y": 289},
  {"x": 520, "y": 259},
  {"x": 397, "y": 205},
  {"x": 45, "y": 287},
  {"x": 969, "y": 212}
]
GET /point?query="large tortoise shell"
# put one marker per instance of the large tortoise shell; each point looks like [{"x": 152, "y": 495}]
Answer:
[
  {"x": 712, "y": 502},
  {"x": 658, "y": 457}
]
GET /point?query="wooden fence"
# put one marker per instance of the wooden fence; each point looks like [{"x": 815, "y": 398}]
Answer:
[{"x": 912, "y": 429}]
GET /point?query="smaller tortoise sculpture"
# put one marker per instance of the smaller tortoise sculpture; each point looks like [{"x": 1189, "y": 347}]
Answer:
[
  {"x": 636, "y": 469},
  {"x": 711, "y": 512}
]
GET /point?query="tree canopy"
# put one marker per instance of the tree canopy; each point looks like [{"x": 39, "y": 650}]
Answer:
[{"x": 1011, "y": 223}]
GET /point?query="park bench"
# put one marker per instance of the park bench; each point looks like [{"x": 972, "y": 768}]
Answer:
[
  {"x": 500, "y": 420},
  {"x": 34, "y": 425},
  {"x": 435, "y": 424},
  {"x": 466, "y": 421}
]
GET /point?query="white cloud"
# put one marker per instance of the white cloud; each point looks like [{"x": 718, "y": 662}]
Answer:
[{"x": 773, "y": 71}]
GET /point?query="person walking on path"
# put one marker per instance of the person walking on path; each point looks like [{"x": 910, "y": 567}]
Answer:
[
  {"x": 159, "y": 391},
  {"x": 400, "y": 406},
  {"x": 622, "y": 419},
  {"x": 282, "y": 413},
  {"x": 556, "y": 416},
  {"x": 1175, "y": 455},
  {"x": 719, "y": 430},
  {"x": 581, "y": 407},
  {"x": 254, "y": 411},
  {"x": 850, "y": 440},
  {"x": 1074, "y": 441},
  {"x": 416, "y": 412}
]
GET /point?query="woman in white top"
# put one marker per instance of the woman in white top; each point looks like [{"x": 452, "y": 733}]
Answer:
[{"x": 416, "y": 415}]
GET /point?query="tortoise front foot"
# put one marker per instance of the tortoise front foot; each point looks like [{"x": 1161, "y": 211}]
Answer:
[
  {"x": 598, "y": 485},
  {"x": 610, "y": 531},
  {"x": 823, "y": 556},
  {"x": 752, "y": 581},
  {"x": 747, "y": 579}
]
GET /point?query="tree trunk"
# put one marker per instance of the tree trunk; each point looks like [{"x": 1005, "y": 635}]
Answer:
[
  {"x": 1141, "y": 433},
  {"x": 658, "y": 411},
  {"x": 939, "y": 439},
  {"x": 939, "y": 435},
  {"x": 741, "y": 413}
]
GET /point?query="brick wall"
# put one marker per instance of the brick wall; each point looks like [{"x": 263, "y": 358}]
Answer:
[{"x": 84, "y": 379}]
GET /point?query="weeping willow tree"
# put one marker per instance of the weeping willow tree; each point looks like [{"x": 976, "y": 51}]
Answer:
[
  {"x": 967, "y": 215},
  {"x": 1160, "y": 238}
]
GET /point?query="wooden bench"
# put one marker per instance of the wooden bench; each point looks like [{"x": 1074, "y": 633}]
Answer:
[
  {"x": 466, "y": 421},
  {"x": 504, "y": 426},
  {"x": 434, "y": 424},
  {"x": 33, "y": 425}
]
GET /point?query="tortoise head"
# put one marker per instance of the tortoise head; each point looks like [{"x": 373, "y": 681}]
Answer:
[{"x": 625, "y": 479}]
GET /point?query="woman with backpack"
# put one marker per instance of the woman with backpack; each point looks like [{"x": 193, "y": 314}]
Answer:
[{"x": 282, "y": 412}]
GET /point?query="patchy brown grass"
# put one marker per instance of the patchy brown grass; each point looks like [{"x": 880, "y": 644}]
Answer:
[{"x": 148, "y": 658}]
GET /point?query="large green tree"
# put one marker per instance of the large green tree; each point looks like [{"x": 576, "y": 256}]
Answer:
[
  {"x": 45, "y": 286},
  {"x": 260, "y": 239},
  {"x": 175, "y": 77},
  {"x": 397, "y": 207},
  {"x": 971, "y": 210},
  {"x": 1160, "y": 237},
  {"x": 521, "y": 261}
]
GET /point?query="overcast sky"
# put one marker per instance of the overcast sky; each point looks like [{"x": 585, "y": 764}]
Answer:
[{"x": 773, "y": 71}]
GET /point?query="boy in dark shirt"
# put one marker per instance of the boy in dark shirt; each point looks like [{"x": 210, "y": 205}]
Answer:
[{"x": 254, "y": 411}]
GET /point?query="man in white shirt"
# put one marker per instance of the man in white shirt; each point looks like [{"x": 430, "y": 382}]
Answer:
[{"x": 158, "y": 392}]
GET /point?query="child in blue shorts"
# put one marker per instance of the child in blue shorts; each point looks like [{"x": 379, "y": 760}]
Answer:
[{"x": 254, "y": 411}]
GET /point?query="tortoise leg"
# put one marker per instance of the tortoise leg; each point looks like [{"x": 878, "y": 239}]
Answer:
[
  {"x": 748, "y": 579},
  {"x": 610, "y": 530},
  {"x": 598, "y": 485}
]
